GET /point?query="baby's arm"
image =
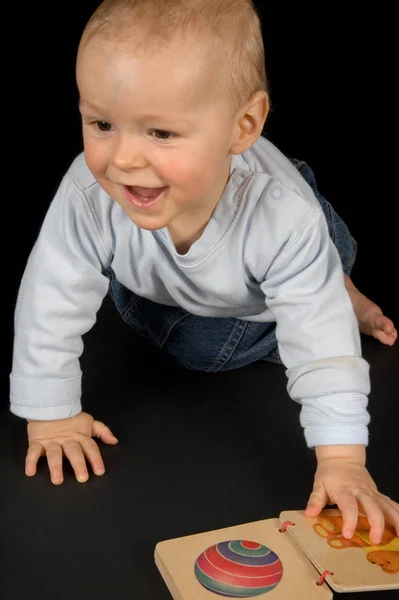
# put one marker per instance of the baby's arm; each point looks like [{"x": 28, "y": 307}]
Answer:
[
  {"x": 61, "y": 291},
  {"x": 342, "y": 479},
  {"x": 319, "y": 343}
]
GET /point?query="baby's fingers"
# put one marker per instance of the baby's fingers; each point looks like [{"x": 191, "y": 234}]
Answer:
[
  {"x": 348, "y": 506},
  {"x": 35, "y": 451},
  {"x": 74, "y": 454},
  {"x": 374, "y": 513},
  {"x": 391, "y": 512},
  {"x": 100, "y": 430},
  {"x": 92, "y": 453},
  {"x": 317, "y": 501},
  {"x": 54, "y": 460}
]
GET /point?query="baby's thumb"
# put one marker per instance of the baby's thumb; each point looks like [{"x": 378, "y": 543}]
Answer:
[
  {"x": 100, "y": 430},
  {"x": 317, "y": 501}
]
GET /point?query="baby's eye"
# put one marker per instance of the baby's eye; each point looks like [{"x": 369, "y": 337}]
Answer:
[
  {"x": 103, "y": 126},
  {"x": 161, "y": 134}
]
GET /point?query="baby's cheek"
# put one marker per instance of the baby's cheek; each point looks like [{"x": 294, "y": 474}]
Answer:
[
  {"x": 188, "y": 174},
  {"x": 95, "y": 157},
  {"x": 177, "y": 167}
]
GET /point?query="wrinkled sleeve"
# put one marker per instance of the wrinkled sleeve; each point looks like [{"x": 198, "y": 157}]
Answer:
[
  {"x": 61, "y": 290},
  {"x": 318, "y": 337}
]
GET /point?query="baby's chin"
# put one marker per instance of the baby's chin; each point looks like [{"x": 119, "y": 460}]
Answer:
[{"x": 148, "y": 222}]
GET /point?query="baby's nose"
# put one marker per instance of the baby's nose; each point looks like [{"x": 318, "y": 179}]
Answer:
[{"x": 128, "y": 154}]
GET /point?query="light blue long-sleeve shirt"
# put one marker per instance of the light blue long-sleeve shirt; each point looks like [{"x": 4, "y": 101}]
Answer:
[{"x": 265, "y": 255}]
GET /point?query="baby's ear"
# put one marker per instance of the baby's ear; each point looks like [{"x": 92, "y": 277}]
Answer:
[{"x": 250, "y": 122}]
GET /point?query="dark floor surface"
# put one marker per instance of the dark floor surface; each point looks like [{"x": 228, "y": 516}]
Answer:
[{"x": 197, "y": 452}]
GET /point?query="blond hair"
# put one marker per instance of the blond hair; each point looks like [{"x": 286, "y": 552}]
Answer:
[{"x": 234, "y": 25}]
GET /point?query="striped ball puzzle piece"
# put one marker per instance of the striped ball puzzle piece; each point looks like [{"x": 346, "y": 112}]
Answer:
[{"x": 238, "y": 569}]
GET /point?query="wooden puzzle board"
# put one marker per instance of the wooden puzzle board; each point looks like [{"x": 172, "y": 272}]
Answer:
[
  {"x": 176, "y": 558},
  {"x": 351, "y": 569}
]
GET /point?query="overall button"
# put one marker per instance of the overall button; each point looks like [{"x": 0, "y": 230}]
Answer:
[
  {"x": 276, "y": 192},
  {"x": 238, "y": 179}
]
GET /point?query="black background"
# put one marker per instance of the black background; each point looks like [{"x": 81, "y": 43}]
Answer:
[{"x": 332, "y": 76}]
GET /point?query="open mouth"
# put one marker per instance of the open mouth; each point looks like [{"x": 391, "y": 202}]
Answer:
[{"x": 143, "y": 197}]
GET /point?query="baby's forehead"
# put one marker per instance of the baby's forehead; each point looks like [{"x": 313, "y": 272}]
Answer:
[
  {"x": 178, "y": 55},
  {"x": 140, "y": 40},
  {"x": 165, "y": 76},
  {"x": 197, "y": 69}
]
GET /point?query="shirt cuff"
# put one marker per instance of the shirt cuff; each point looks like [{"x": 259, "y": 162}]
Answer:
[
  {"x": 45, "y": 400},
  {"x": 335, "y": 436},
  {"x": 335, "y": 419}
]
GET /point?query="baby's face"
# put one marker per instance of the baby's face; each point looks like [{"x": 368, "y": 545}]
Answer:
[{"x": 155, "y": 121}]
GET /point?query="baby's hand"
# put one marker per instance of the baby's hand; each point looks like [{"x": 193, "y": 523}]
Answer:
[
  {"x": 342, "y": 479},
  {"x": 71, "y": 438}
]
